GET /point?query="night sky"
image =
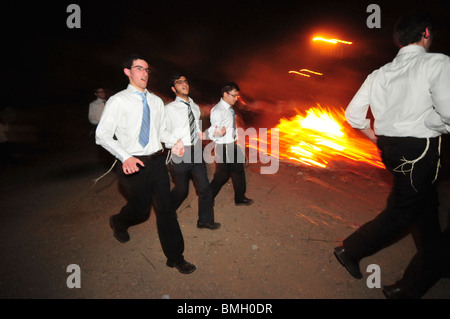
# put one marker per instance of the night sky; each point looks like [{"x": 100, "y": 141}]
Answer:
[{"x": 254, "y": 43}]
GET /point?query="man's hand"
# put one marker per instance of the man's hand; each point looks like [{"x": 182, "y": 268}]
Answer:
[
  {"x": 130, "y": 165},
  {"x": 178, "y": 148},
  {"x": 201, "y": 135},
  {"x": 220, "y": 132},
  {"x": 370, "y": 134}
]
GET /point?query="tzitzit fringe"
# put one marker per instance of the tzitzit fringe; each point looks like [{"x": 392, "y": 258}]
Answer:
[
  {"x": 439, "y": 160},
  {"x": 97, "y": 179},
  {"x": 169, "y": 157},
  {"x": 401, "y": 169}
]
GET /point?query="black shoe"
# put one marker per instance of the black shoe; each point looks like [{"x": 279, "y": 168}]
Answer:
[
  {"x": 351, "y": 266},
  {"x": 183, "y": 266},
  {"x": 211, "y": 226},
  {"x": 245, "y": 202},
  {"x": 120, "y": 232},
  {"x": 396, "y": 292}
]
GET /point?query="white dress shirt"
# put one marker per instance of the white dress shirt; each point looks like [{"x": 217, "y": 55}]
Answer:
[
  {"x": 221, "y": 115},
  {"x": 95, "y": 111},
  {"x": 409, "y": 96},
  {"x": 177, "y": 120},
  {"x": 122, "y": 118}
]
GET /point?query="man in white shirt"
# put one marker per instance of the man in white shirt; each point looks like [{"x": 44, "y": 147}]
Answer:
[
  {"x": 230, "y": 158},
  {"x": 95, "y": 113},
  {"x": 96, "y": 107},
  {"x": 182, "y": 120},
  {"x": 410, "y": 102},
  {"x": 132, "y": 127}
]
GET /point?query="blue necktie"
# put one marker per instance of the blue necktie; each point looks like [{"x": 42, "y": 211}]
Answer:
[{"x": 144, "y": 135}]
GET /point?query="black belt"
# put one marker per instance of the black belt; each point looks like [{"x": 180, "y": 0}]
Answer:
[{"x": 149, "y": 157}]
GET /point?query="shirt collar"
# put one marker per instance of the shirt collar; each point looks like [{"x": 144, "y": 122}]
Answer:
[
  {"x": 134, "y": 90},
  {"x": 179, "y": 99},
  {"x": 225, "y": 103},
  {"x": 411, "y": 48}
]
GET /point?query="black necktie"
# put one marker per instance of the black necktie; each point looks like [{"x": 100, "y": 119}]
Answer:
[{"x": 191, "y": 123}]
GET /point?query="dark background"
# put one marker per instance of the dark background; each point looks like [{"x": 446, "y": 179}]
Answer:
[{"x": 254, "y": 43}]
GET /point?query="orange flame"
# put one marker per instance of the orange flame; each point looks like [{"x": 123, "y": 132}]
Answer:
[
  {"x": 240, "y": 99},
  {"x": 333, "y": 41},
  {"x": 320, "y": 137}
]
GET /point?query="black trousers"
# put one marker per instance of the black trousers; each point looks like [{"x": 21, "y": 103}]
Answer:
[
  {"x": 182, "y": 169},
  {"x": 427, "y": 267},
  {"x": 230, "y": 161},
  {"x": 151, "y": 187},
  {"x": 413, "y": 202}
]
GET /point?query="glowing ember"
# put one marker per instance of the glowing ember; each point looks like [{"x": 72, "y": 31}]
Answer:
[
  {"x": 333, "y": 41},
  {"x": 305, "y": 70},
  {"x": 320, "y": 136},
  {"x": 299, "y": 73}
]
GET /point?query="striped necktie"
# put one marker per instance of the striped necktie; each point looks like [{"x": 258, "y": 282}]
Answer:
[
  {"x": 191, "y": 123},
  {"x": 144, "y": 134}
]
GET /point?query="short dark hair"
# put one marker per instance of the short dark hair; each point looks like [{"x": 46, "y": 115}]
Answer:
[
  {"x": 174, "y": 78},
  {"x": 230, "y": 86},
  {"x": 410, "y": 27},
  {"x": 128, "y": 63}
]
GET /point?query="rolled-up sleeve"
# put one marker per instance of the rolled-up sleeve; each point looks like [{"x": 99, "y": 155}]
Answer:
[
  {"x": 356, "y": 112},
  {"x": 440, "y": 94}
]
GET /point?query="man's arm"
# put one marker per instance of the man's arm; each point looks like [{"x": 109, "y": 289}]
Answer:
[
  {"x": 370, "y": 134},
  {"x": 104, "y": 134},
  {"x": 356, "y": 112},
  {"x": 216, "y": 130},
  {"x": 166, "y": 136},
  {"x": 169, "y": 120},
  {"x": 439, "y": 120}
]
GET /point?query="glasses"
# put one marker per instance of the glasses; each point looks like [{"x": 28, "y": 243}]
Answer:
[
  {"x": 181, "y": 82},
  {"x": 141, "y": 69},
  {"x": 236, "y": 96}
]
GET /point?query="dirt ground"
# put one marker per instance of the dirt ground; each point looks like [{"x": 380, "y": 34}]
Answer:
[{"x": 52, "y": 216}]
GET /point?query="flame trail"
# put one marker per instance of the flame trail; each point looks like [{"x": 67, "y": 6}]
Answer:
[
  {"x": 306, "y": 70},
  {"x": 333, "y": 41},
  {"x": 320, "y": 137}
]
